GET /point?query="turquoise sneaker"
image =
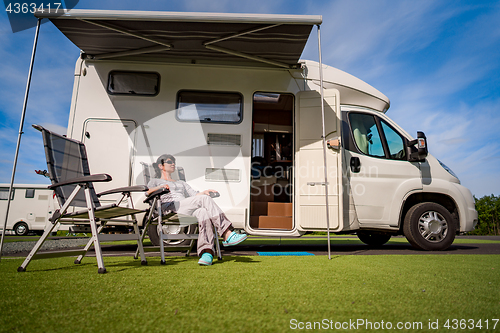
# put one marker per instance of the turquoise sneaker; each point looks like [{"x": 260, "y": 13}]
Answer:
[
  {"x": 206, "y": 259},
  {"x": 234, "y": 239}
]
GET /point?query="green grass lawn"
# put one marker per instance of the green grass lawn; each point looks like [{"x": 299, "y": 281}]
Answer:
[
  {"x": 247, "y": 293},
  {"x": 322, "y": 240}
]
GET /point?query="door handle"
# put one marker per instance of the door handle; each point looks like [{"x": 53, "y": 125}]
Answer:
[{"x": 355, "y": 164}]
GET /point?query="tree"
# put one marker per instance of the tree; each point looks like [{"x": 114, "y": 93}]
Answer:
[{"x": 488, "y": 209}]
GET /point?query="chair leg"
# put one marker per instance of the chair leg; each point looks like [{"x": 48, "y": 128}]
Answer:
[
  {"x": 139, "y": 244},
  {"x": 162, "y": 245},
  {"x": 144, "y": 230},
  {"x": 160, "y": 233},
  {"x": 46, "y": 233},
  {"x": 97, "y": 247},
  {"x": 89, "y": 244},
  {"x": 217, "y": 245},
  {"x": 191, "y": 244},
  {"x": 95, "y": 235}
]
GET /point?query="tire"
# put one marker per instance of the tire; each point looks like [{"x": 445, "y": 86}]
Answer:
[
  {"x": 21, "y": 229},
  {"x": 373, "y": 238},
  {"x": 170, "y": 229},
  {"x": 429, "y": 226}
]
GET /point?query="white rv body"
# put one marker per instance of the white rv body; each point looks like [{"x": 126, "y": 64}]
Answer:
[
  {"x": 31, "y": 207},
  {"x": 252, "y": 129},
  {"x": 120, "y": 132}
]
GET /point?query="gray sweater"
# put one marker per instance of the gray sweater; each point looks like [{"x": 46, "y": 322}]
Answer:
[{"x": 178, "y": 190}]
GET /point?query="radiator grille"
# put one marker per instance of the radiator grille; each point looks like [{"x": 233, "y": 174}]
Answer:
[
  {"x": 221, "y": 174},
  {"x": 224, "y": 139}
]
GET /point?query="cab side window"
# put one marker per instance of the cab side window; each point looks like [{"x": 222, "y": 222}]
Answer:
[
  {"x": 375, "y": 137},
  {"x": 394, "y": 142},
  {"x": 366, "y": 135}
]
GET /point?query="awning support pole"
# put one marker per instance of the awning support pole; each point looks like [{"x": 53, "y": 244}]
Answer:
[
  {"x": 324, "y": 142},
  {"x": 209, "y": 46},
  {"x": 21, "y": 125},
  {"x": 241, "y": 34},
  {"x": 247, "y": 56},
  {"x": 152, "y": 49}
]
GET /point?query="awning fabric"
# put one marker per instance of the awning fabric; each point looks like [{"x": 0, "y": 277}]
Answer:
[{"x": 230, "y": 38}]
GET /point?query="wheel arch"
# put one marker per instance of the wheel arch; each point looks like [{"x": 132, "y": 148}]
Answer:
[
  {"x": 442, "y": 199},
  {"x": 20, "y": 221}
]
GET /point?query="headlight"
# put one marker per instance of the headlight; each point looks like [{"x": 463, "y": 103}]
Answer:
[{"x": 448, "y": 169}]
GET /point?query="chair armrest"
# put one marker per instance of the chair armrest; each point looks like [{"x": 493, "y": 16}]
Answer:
[
  {"x": 155, "y": 194},
  {"x": 102, "y": 177},
  {"x": 128, "y": 189}
]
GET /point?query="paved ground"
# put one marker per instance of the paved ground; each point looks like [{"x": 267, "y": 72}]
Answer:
[{"x": 336, "y": 249}]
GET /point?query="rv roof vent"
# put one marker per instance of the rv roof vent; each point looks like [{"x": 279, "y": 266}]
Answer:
[
  {"x": 224, "y": 139},
  {"x": 222, "y": 175}
]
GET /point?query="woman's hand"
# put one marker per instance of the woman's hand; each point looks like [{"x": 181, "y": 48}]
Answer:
[
  {"x": 207, "y": 192},
  {"x": 151, "y": 190}
]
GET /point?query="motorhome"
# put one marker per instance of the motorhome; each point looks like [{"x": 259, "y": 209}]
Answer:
[
  {"x": 229, "y": 97},
  {"x": 31, "y": 207}
]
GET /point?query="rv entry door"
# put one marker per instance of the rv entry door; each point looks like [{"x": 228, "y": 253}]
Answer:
[
  {"x": 310, "y": 201},
  {"x": 110, "y": 149}
]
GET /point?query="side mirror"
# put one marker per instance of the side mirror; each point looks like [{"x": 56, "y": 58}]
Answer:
[{"x": 419, "y": 153}]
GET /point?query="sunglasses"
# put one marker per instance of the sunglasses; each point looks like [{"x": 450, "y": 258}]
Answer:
[{"x": 169, "y": 162}]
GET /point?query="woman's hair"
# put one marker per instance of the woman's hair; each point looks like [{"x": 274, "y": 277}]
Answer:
[{"x": 162, "y": 160}]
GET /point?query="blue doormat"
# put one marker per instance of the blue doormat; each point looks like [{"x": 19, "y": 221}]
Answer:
[{"x": 284, "y": 254}]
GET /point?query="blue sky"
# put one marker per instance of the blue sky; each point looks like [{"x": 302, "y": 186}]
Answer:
[{"x": 437, "y": 61}]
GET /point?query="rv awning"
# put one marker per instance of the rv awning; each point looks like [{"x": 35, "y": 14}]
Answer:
[{"x": 277, "y": 40}]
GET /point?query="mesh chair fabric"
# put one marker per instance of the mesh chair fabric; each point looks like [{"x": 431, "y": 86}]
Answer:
[{"x": 67, "y": 159}]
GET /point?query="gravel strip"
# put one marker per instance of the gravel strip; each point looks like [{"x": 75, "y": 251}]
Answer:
[{"x": 50, "y": 244}]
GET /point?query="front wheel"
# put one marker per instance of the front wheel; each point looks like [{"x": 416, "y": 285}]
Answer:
[
  {"x": 429, "y": 226},
  {"x": 373, "y": 238},
  {"x": 21, "y": 229}
]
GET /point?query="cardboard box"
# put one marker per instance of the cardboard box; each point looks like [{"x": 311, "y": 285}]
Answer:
[
  {"x": 279, "y": 209},
  {"x": 275, "y": 222}
]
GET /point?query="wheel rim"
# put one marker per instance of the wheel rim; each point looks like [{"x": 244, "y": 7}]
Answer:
[
  {"x": 21, "y": 229},
  {"x": 174, "y": 230},
  {"x": 432, "y": 226}
]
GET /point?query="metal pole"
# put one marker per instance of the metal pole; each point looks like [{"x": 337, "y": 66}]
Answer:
[
  {"x": 324, "y": 142},
  {"x": 21, "y": 125}
]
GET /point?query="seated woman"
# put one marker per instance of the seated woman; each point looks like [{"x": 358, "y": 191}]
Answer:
[{"x": 183, "y": 199}]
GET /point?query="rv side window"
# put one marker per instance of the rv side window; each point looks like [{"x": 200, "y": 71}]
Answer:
[
  {"x": 209, "y": 107},
  {"x": 4, "y": 193},
  {"x": 30, "y": 193},
  {"x": 133, "y": 83}
]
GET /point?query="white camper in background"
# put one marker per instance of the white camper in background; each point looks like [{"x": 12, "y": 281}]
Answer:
[
  {"x": 30, "y": 209},
  {"x": 228, "y": 97}
]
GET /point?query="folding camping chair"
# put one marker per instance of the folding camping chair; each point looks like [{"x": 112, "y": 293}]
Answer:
[
  {"x": 73, "y": 185},
  {"x": 154, "y": 216}
]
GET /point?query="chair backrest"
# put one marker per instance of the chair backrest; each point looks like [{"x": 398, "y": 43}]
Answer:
[
  {"x": 148, "y": 172},
  {"x": 66, "y": 159}
]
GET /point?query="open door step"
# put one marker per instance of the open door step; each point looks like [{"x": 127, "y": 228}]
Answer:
[{"x": 271, "y": 215}]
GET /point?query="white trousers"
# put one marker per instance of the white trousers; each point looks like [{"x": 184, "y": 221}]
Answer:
[{"x": 208, "y": 215}]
